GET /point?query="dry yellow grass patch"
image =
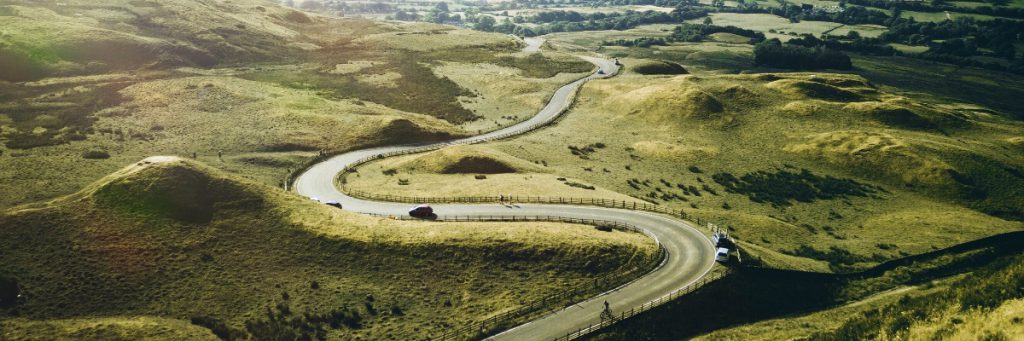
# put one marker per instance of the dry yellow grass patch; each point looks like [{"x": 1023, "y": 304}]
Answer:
[
  {"x": 352, "y": 67},
  {"x": 105, "y": 328},
  {"x": 1004, "y": 321},
  {"x": 674, "y": 151},
  {"x": 431, "y": 37},
  {"x": 383, "y": 80},
  {"x": 436, "y": 185},
  {"x": 505, "y": 102},
  {"x": 1017, "y": 141}
]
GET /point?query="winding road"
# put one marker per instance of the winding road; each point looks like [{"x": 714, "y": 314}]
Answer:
[{"x": 689, "y": 253}]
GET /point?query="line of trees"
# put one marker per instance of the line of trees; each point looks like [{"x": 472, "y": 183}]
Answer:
[
  {"x": 789, "y": 56},
  {"x": 940, "y": 6}
]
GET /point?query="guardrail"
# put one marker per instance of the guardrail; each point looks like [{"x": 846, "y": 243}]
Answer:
[
  {"x": 642, "y": 308},
  {"x": 599, "y": 202},
  {"x": 496, "y": 323}
]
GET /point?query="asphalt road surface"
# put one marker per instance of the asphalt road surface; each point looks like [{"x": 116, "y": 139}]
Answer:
[{"x": 690, "y": 254}]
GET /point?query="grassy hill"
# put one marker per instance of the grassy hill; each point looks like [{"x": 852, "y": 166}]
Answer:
[
  {"x": 822, "y": 172},
  {"x": 88, "y": 87},
  {"x": 167, "y": 240},
  {"x": 971, "y": 291}
]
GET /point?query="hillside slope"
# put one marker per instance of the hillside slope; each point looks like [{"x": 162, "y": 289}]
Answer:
[
  {"x": 820, "y": 172},
  {"x": 86, "y": 87},
  {"x": 972, "y": 291},
  {"x": 171, "y": 238}
]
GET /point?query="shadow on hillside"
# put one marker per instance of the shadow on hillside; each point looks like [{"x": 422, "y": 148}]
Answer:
[{"x": 751, "y": 294}]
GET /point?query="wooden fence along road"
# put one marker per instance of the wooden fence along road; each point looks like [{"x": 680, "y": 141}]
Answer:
[{"x": 685, "y": 254}]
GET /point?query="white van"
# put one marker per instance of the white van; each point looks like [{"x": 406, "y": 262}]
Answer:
[{"x": 722, "y": 255}]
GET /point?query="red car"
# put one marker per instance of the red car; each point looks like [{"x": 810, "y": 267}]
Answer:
[{"x": 421, "y": 211}]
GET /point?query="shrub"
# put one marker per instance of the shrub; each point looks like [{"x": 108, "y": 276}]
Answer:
[
  {"x": 396, "y": 310},
  {"x": 604, "y": 228},
  {"x": 96, "y": 155},
  {"x": 782, "y": 186},
  {"x": 579, "y": 185}
]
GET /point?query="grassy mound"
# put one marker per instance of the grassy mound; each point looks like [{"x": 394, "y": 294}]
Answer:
[
  {"x": 172, "y": 238},
  {"x": 673, "y": 102},
  {"x": 183, "y": 194},
  {"x": 801, "y": 108},
  {"x": 464, "y": 160},
  {"x": 890, "y": 114},
  {"x": 796, "y": 88},
  {"x": 737, "y": 93},
  {"x": 877, "y": 153},
  {"x": 700, "y": 104},
  {"x": 656, "y": 67}
]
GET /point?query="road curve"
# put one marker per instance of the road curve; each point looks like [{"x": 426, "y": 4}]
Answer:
[{"x": 690, "y": 254}]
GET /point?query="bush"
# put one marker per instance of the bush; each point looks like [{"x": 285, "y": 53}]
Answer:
[
  {"x": 782, "y": 187},
  {"x": 96, "y": 155},
  {"x": 579, "y": 185}
]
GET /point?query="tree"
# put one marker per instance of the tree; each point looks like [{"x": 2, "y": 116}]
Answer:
[
  {"x": 485, "y": 23},
  {"x": 442, "y": 6},
  {"x": 1005, "y": 50},
  {"x": 708, "y": 21}
]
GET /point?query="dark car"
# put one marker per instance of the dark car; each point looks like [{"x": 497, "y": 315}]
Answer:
[
  {"x": 334, "y": 203},
  {"x": 422, "y": 211}
]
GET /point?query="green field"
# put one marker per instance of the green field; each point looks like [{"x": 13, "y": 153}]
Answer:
[{"x": 767, "y": 22}]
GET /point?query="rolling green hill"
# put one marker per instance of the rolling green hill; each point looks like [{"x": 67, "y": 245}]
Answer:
[
  {"x": 248, "y": 86},
  {"x": 171, "y": 239},
  {"x": 822, "y": 172}
]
